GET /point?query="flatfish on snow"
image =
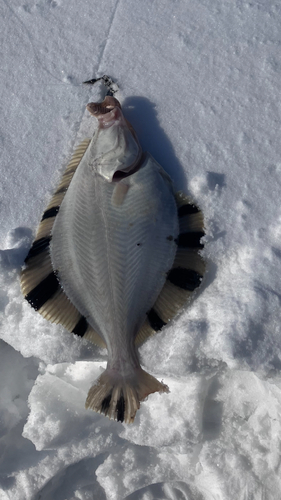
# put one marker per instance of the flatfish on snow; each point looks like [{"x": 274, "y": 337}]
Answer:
[{"x": 115, "y": 257}]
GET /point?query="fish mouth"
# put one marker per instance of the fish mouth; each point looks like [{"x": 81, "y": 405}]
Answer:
[
  {"x": 107, "y": 112},
  {"x": 104, "y": 107},
  {"x": 111, "y": 107}
]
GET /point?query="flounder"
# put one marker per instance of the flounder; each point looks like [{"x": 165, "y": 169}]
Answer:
[{"x": 115, "y": 257}]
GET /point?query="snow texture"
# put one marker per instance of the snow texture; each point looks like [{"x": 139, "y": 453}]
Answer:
[{"x": 200, "y": 82}]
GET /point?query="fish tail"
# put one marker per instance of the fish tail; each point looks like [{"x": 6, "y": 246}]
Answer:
[{"x": 119, "y": 397}]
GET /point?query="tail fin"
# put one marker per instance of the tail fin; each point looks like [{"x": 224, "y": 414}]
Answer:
[{"x": 119, "y": 397}]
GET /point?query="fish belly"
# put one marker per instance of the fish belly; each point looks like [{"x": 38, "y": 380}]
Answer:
[{"x": 112, "y": 251}]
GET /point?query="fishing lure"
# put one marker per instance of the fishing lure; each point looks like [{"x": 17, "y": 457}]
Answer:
[{"x": 115, "y": 257}]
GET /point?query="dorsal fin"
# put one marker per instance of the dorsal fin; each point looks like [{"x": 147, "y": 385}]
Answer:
[
  {"x": 186, "y": 274},
  {"x": 39, "y": 283}
]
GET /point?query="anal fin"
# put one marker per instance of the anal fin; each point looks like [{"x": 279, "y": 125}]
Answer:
[
  {"x": 94, "y": 337},
  {"x": 144, "y": 333},
  {"x": 187, "y": 271}
]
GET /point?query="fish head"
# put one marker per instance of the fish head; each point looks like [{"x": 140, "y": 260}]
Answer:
[{"x": 115, "y": 149}]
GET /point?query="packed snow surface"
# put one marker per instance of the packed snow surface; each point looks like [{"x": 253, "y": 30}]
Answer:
[{"x": 200, "y": 82}]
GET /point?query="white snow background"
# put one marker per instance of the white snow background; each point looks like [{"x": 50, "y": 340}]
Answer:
[{"x": 200, "y": 81}]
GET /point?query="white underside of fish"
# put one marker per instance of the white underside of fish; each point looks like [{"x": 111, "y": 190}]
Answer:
[{"x": 112, "y": 246}]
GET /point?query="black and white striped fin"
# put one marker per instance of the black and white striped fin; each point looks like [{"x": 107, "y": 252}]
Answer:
[
  {"x": 144, "y": 333},
  {"x": 44, "y": 229},
  {"x": 39, "y": 283},
  {"x": 37, "y": 268},
  {"x": 70, "y": 170},
  {"x": 191, "y": 223},
  {"x": 49, "y": 215},
  {"x": 94, "y": 337},
  {"x": 59, "y": 309},
  {"x": 187, "y": 271},
  {"x": 171, "y": 299},
  {"x": 153, "y": 324}
]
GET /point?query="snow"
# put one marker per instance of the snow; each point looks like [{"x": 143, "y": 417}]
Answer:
[{"x": 200, "y": 82}]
